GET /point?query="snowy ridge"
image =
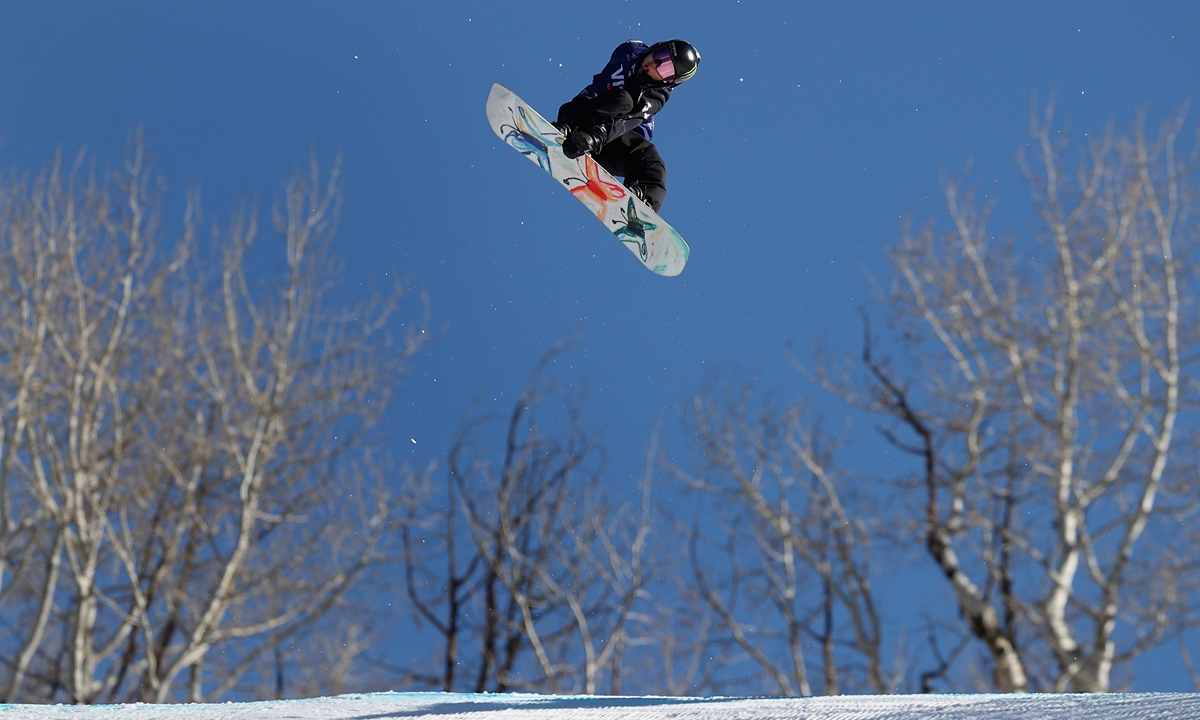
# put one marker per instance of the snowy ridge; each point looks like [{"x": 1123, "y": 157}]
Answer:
[{"x": 447, "y": 706}]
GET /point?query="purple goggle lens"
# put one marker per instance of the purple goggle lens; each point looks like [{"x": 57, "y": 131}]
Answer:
[{"x": 666, "y": 66}]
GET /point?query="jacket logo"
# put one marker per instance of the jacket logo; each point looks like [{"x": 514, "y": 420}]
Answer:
[{"x": 618, "y": 78}]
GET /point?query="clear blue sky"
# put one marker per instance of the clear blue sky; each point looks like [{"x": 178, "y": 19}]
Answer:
[{"x": 810, "y": 129}]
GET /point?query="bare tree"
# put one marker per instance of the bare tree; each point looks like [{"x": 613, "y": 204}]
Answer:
[
  {"x": 529, "y": 576},
  {"x": 1050, "y": 378},
  {"x": 778, "y": 556},
  {"x": 185, "y": 456},
  {"x": 1179, "y": 576}
]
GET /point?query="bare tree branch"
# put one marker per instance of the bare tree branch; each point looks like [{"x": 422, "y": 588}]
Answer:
[{"x": 188, "y": 452}]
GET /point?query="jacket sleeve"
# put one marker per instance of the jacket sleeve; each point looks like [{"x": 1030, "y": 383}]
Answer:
[
  {"x": 646, "y": 105},
  {"x": 651, "y": 101}
]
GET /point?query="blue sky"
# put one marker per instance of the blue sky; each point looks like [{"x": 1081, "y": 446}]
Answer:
[{"x": 809, "y": 131}]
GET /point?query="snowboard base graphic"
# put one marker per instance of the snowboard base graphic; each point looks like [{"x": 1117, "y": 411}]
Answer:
[{"x": 647, "y": 235}]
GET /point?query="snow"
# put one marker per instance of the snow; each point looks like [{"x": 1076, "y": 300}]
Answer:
[{"x": 446, "y": 706}]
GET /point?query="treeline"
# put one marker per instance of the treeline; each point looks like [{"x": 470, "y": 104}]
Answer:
[
  {"x": 1039, "y": 393},
  {"x": 195, "y": 502},
  {"x": 182, "y": 498}
]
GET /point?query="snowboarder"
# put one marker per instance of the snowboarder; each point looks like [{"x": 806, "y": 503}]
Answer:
[{"x": 613, "y": 117}]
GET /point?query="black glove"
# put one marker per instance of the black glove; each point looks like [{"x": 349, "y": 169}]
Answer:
[
  {"x": 582, "y": 142},
  {"x": 640, "y": 192}
]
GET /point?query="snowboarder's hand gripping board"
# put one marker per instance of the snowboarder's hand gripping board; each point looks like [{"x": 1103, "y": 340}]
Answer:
[{"x": 651, "y": 239}]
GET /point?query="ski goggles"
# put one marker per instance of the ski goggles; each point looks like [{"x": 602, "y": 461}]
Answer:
[{"x": 661, "y": 58}]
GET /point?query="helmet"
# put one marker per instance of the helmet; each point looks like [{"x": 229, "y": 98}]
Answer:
[{"x": 675, "y": 60}]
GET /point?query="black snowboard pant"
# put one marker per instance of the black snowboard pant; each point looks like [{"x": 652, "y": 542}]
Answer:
[{"x": 631, "y": 156}]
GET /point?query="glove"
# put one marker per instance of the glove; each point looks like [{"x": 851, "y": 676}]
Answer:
[
  {"x": 582, "y": 142},
  {"x": 639, "y": 191}
]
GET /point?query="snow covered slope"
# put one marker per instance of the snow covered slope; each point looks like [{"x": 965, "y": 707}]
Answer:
[{"x": 1171, "y": 706}]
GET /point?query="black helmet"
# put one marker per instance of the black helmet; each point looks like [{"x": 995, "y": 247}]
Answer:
[{"x": 676, "y": 60}]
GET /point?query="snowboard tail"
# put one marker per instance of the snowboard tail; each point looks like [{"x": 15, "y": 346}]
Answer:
[{"x": 659, "y": 247}]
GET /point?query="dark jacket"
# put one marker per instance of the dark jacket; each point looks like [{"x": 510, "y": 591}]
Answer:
[{"x": 648, "y": 96}]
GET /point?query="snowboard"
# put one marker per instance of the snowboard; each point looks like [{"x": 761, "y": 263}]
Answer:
[{"x": 632, "y": 221}]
